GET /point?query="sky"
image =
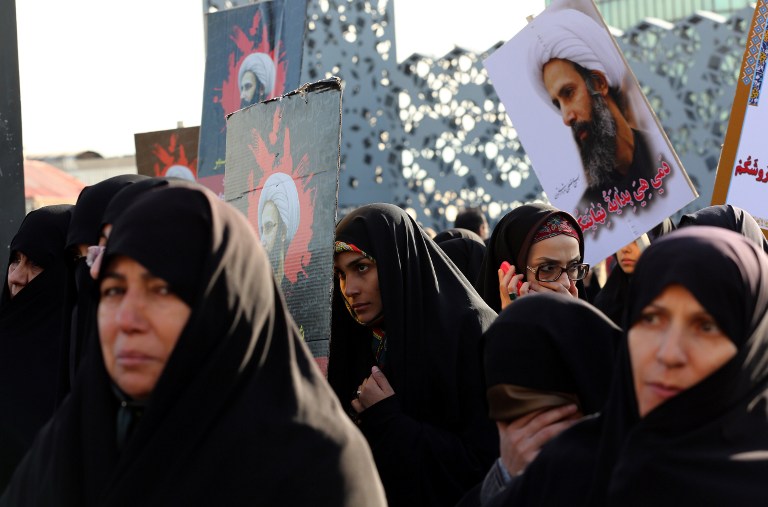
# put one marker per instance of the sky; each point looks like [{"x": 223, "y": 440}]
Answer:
[{"x": 93, "y": 74}]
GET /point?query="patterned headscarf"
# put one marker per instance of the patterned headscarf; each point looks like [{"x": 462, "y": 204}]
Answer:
[{"x": 555, "y": 225}]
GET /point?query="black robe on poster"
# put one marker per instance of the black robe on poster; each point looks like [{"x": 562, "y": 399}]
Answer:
[
  {"x": 240, "y": 414},
  {"x": 432, "y": 439},
  {"x": 511, "y": 241},
  {"x": 707, "y": 445},
  {"x": 31, "y": 328}
]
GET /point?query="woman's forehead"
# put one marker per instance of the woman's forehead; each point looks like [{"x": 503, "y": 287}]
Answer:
[{"x": 560, "y": 247}]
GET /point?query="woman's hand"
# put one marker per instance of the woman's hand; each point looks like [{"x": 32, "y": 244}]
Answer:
[
  {"x": 373, "y": 389},
  {"x": 537, "y": 286},
  {"x": 508, "y": 285},
  {"x": 521, "y": 439}
]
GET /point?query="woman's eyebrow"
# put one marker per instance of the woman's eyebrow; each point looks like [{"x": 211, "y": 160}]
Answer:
[{"x": 354, "y": 262}]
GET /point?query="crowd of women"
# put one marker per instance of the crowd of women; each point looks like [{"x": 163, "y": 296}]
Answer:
[{"x": 147, "y": 357}]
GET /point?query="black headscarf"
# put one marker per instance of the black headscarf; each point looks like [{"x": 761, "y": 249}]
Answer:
[
  {"x": 31, "y": 327},
  {"x": 705, "y": 446},
  {"x": 612, "y": 297},
  {"x": 728, "y": 217},
  {"x": 467, "y": 254},
  {"x": 432, "y": 440},
  {"x": 90, "y": 206},
  {"x": 552, "y": 344},
  {"x": 457, "y": 232},
  {"x": 85, "y": 229},
  {"x": 240, "y": 415},
  {"x": 511, "y": 241}
]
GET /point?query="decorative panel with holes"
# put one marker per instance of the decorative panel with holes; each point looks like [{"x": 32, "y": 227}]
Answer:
[{"x": 430, "y": 134}]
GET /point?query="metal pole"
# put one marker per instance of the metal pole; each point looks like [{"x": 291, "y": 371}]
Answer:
[{"x": 11, "y": 155}]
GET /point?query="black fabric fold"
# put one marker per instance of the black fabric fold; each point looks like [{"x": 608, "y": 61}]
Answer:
[
  {"x": 728, "y": 217},
  {"x": 240, "y": 415},
  {"x": 432, "y": 441},
  {"x": 31, "y": 335},
  {"x": 706, "y": 446},
  {"x": 552, "y": 343}
]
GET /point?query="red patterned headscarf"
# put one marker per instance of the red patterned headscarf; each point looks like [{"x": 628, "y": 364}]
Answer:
[{"x": 554, "y": 226}]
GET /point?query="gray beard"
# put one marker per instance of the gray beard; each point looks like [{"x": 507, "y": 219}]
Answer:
[{"x": 598, "y": 150}]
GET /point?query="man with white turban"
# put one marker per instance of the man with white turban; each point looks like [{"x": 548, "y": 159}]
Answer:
[
  {"x": 579, "y": 71},
  {"x": 279, "y": 213},
  {"x": 256, "y": 78}
]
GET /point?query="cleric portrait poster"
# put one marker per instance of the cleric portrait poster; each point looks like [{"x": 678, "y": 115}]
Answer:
[
  {"x": 593, "y": 140},
  {"x": 253, "y": 53},
  {"x": 282, "y": 173},
  {"x": 171, "y": 153}
]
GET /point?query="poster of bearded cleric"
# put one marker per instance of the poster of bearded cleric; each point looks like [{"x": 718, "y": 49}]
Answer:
[
  {"x": 282, "y": 173},
  {"x": 593, "y": 140},
  {"x": 253, "y": 53},
  {"x": 169, "y": 153}
]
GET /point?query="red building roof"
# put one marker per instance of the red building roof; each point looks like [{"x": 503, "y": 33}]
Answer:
[{"x": 47, "y": 184}]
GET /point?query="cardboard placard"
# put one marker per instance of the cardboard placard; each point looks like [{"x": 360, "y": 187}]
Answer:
[
  {"x": 742, "y": 172},
  {"x": 170, "y": 153},
  {"x": 594, "y": 142},
  {"x": 282, "y": 173},
  {"x": 253, "y": 53}
]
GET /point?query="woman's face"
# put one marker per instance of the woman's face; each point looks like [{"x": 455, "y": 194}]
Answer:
[
  {"x": 674, "y": 345},
  {"x": 560, "y": 250},
  {"x": 359, "y": 283},
  {"x": 21, "y": 271},
  {"x": 140, "y": 321},
  {"x": 628, "y": 256}
]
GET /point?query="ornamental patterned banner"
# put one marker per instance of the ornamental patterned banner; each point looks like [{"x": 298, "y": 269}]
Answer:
[{"x": 742, "y": 173}]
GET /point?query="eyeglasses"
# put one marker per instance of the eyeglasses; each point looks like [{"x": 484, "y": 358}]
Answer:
[{"x": 552, "y": 272}]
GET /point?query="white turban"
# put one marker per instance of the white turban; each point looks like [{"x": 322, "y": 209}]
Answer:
[
  {"x": 569, "y": 34},
  {"x": 262, "y": 67},
  {"x": 180, "y": 171},
  {"x": 281, "y": 190}
]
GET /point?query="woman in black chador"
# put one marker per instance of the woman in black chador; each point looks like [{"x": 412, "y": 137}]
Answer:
[
  {"x": 198, "y": 390},
  {"x": 685, "y": 423},
  {"x": 405, "y": 357},
  {"x": 32, "y": 317}
]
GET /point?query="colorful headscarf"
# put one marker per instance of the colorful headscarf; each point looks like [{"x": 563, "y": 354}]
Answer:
[
  {"x": 340, "y": 246},
  {"x": 554, "y": 226}
]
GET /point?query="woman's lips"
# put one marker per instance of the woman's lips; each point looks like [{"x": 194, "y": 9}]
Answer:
[
  {"x": 360, "y": 307},
  {"x": 133, "y": 358},
  {"x": 663, "y": 391}
]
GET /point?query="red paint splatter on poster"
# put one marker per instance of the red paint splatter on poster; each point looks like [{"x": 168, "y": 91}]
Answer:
[
  {"x": 255, "y": 39},
  {"x": 173, "y": 155},
  {"x": 271, "y": 157}
]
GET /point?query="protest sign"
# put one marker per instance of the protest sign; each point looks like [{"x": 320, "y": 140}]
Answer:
[
  {"x": 171, "y": 153},
  {"x": 593, "y": 140},
  {"x": 253, "y": 54},
  {"x": 282, "y": 173}
]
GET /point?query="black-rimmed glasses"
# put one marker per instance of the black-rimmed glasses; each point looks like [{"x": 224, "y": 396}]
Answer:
[{"x": 552, "y": 272}]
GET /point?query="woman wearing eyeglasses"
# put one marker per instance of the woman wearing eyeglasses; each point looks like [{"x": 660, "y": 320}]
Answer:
[{"x": 534, "y": 248}]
